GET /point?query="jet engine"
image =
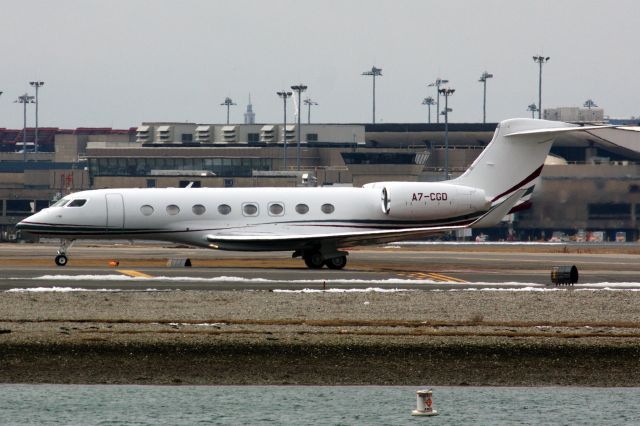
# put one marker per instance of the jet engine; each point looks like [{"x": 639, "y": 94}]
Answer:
[{"x": 429, "y": 200}]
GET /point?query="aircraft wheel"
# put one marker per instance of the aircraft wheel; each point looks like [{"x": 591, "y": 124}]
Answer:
[
  {"x": 314, "y": 260},
  {"x": 61, "y": 260},
  {"x": 336, "y": 262}
]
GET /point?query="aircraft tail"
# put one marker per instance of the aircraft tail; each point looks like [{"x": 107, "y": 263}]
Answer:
[{"x": 515, "y": 156}]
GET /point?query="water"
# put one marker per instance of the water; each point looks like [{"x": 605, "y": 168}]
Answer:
[{"x": 323, "y": 405}]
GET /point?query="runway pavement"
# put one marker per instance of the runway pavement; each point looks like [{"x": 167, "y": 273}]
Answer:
[{"x": 144, "y": 267}]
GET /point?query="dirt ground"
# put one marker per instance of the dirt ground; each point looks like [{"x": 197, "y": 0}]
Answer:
[{"x": 581, "y": 338}]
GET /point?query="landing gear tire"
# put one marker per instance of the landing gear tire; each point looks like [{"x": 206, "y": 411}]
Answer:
[
  {"x": 65, "y": 245},
  {"x": 314, "y": 260},
  {"x": 336, "y": 262},
  {"x": 61, "y": 260}
]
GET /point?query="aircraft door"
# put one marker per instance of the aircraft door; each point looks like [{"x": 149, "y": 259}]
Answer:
[{"x": 115, "y": 211}]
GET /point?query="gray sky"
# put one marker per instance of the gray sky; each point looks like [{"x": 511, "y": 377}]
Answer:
[{"x": 120, "y": 62}]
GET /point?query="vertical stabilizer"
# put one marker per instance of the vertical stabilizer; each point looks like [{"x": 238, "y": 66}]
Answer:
[{"x": 514, "y": 158}]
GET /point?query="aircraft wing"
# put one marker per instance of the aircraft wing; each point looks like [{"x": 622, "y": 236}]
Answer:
[
  {"x": 307, "y": 236},
  {"x": 300, "y": 237}
]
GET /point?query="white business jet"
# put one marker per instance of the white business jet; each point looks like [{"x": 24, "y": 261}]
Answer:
[{"x": 317, "y": 224}]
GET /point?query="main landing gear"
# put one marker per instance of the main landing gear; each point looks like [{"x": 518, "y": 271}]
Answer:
[
  {"x": 61, "y": 258},
  {"x": 316, "y": 259}
]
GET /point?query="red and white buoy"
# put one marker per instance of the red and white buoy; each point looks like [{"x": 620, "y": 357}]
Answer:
[{"x": 424, "y": 404}]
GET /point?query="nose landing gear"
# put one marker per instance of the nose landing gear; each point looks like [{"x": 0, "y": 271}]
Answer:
[{"x": 61, "y": 258}]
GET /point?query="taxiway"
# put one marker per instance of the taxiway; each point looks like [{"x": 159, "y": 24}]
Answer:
[{"x": 144, "y": 267}]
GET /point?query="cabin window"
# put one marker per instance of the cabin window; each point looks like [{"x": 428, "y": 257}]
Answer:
[
  {"x": 77, "y": 203},
  {"x": 61, "y": 202},
  {"x": 173, "y": 210},
  {"x": 224, "y": 209},
  {"x": 327, "y": 208},
  {"x": 250, "y": 209},
  {"x": 146, "y": 210},
  {"x": 276, "y": 209},
  {"x": 198, "y": 209},
  {"x": 302, "y": 208}
]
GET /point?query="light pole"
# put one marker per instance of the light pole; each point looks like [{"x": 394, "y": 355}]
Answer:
[
  {"x": 483, "y": 79},
  {"x": 284, "y": 95},
  {"x": 439, "y": 81},
  {"x": 588, "y": 104},
  {"x": 309, "y": 102},
  {"x": 375, "y": 72},
  {"x": 446, "y": 92},
  {"x": 299, "y": 88},
  {"x": 37, "y": 85},
  {"x": 24, "y": 99},
  {"x": 228, "y": 103},
  {"x": 428, "y": 101},
  {"x": 533, "y": 108},
  {"x": 540, "y": 60}
]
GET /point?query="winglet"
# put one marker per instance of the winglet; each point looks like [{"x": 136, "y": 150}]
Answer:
[{"x": 495, "y": 215}]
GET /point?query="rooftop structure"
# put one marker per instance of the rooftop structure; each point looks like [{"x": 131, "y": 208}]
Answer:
[
  {"x": 249, "y": 115},
  {"x": 575, "y": 114}
]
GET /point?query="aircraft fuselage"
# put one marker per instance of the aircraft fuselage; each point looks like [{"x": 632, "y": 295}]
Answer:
[{"x": 191, "y": 215}]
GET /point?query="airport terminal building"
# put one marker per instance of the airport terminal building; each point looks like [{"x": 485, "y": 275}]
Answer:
[{"x": 589, "y": 183}]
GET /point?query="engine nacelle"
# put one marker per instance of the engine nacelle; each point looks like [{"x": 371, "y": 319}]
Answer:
[{"x": 429, "y": 200}]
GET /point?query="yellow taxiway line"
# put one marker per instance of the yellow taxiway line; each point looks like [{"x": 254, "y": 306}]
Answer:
[
  {"x": 136, "y": 274},
  {"x": 433, "y": 276},
  {"x": 446, "y": 278}
]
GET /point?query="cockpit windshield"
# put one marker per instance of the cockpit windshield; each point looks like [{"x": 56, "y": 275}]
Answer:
[
  {"x": 77, "y": 203},
  {"x": 61, "y": 202}
]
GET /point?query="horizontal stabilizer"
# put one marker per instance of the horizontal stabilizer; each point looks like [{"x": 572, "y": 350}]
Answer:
[{"x": 556, "y": 130}]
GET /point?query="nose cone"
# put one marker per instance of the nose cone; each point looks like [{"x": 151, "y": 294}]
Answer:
[
  {"x": 25, "y": 225},
  {"x": 30, "y": 224}
]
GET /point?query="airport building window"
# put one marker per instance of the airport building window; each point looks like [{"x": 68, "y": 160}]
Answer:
[
  {"x": 302, "y": 208},
  {"x": 253, "y": 137},
  {"x": 151, "y": 183},
  {"x": 312, "y": 137},
  {"x": 224, "y": 167},
  {"x": 18, "y": 206},
  {"x": 146, "y": 210},
  {"x": 41, "y": 204},
  {"x": 609, "y": 211},
  {"x": 173, "y": 210},
  {"x": 198, "y": 209},
  {"x": 250, "y": 209},
  {"x": 276, "y": 209},
  {"x": 77, "y": 203},
  {"x": 380, "y": 158},
  {"x": 224, "y": 209},
  {"x": 327, "y": 208},
  {"x": 193, "y": 183}
]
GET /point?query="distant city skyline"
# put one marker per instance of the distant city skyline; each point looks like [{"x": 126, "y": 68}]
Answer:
[{"x": 119, "y": 63}]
